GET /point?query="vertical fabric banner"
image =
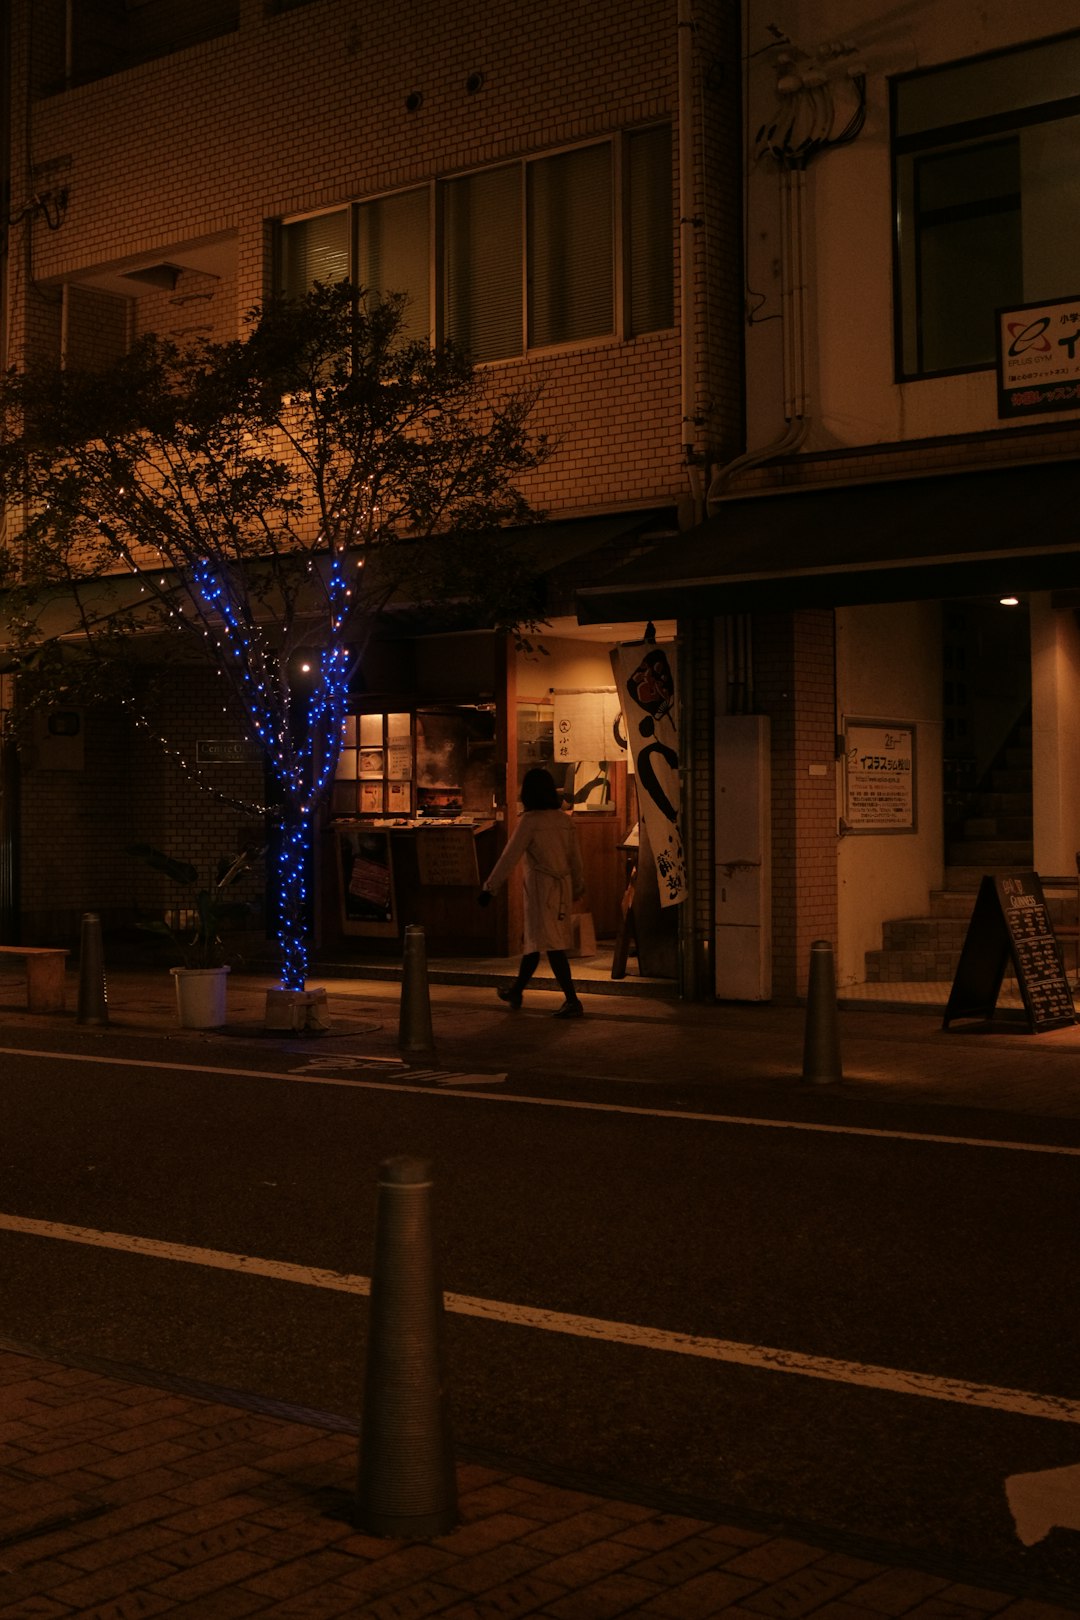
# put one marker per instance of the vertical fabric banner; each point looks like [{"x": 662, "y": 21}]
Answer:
[{"x": 645, "y": 677}]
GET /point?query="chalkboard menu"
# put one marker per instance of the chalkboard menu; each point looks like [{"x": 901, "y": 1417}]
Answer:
[{"x": 1011, "y": 922}]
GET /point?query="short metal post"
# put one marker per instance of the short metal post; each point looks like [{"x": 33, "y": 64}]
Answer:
[
  {"x": 407, "y": 1483},
  {"x": 93, "y": 999},
  {"x": 416, "y": 1038},
  {"x": 821, "y": 1045}
]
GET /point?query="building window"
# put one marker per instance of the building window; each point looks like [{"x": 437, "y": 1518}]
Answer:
[
  {"x": 393, "y": 254},
  {"x": 527, "y": 251},
  {"x": 481, "y": 262},
  {"x": 571, "y": 261},
  {"x": 315, "y": 250},
  {"x": 987, "y": 181}
]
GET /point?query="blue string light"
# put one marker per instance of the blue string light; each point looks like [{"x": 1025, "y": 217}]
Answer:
[{"x": 300, "y": 767}]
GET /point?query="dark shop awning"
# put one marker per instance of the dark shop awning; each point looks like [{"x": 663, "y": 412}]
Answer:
[{"x": 958, "y": 534}]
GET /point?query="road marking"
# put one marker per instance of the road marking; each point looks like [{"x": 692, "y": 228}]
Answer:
[
  {"x": 892, "y": 1380},
  {"x": 302, "y": 1077},
  {"x": 1043, "y": 1501}
]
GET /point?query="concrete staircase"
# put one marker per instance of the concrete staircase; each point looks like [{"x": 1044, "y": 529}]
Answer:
[{"x": 995, "y": 836}]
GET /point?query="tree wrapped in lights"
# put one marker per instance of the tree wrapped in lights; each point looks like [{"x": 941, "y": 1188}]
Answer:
[{"x": 266, "y": 498}]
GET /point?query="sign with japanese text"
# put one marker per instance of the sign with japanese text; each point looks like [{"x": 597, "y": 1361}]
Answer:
[
  {"x": 879, "y": 777},
  {"x": 588, "y": 725},
  {"x": 645, "y": 674},
  {"x": 1038, "y": 357}
]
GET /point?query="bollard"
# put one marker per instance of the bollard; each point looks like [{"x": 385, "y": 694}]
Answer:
[
  {"x": 406, "y": 1480},
  {"x": 93, "y": 1001},
  {"x": 415, "y": 1037},
  {"x": 821, "y": 1047}
]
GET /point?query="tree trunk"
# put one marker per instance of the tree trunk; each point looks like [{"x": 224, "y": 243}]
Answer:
[{"x": 292, "y": 883}]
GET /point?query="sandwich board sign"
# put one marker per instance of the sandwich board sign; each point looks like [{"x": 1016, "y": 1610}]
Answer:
[{"x": 1011, "y": 922}]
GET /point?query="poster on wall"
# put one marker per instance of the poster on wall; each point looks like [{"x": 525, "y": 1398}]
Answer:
[
  {"x": 645, "y": 680},
  {"x": 366, "y": 881},
  {"x": 879, "y": 777}
]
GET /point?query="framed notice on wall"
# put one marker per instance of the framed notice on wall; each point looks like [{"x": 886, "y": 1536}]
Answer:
[{"x": 879, "y": 777}]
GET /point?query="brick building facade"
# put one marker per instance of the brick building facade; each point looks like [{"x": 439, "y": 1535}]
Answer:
[{"x": 169, "y": 163}]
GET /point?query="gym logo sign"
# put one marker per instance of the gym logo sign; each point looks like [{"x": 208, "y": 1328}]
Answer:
[{"x": 1038, "y": 357}]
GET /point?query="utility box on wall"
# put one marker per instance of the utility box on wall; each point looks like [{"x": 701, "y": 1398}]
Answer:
[{"x": 742, "y": 843}]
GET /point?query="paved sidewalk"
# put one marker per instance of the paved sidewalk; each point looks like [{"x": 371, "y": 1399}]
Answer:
[{"x": 120, "y": 1501}]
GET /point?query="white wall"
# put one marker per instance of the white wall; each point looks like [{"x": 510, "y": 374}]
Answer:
[
  {"x": 888, "y": 667},
  {"x": 853, "y": 398},
  {"x": 1055, "y": 742},
  {"x": 569, "y": 664}
]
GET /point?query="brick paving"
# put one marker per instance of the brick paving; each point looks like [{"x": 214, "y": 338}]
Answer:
[{"x": 120, "y": 1501}]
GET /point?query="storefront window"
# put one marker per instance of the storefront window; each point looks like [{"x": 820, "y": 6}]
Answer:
[{"x": 433, "y": 763}]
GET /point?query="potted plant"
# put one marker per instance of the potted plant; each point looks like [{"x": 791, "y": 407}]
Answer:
[{"x": 195, "y": 932}]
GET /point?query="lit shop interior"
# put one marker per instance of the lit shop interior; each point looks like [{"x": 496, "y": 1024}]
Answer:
[{"x": 435, "y": 749}]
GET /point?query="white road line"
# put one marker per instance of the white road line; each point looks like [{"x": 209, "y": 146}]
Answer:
[
  {"x": 304, "y": 1077},
  {"x": 891, "y": 1380}
]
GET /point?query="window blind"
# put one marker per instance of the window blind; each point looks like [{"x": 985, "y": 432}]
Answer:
[
  {"x": 393, "y": 254},
  {"x": 314, "y": 250},
  {"x": 482, "y": 262},
  {"x": 571, "y": 239}
]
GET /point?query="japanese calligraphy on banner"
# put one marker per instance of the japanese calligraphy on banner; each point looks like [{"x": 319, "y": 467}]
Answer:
[
  {"x": 879, "y": 777},
  {"x": 588, "y": 725},
  {"x": 1038, "y": 357},
  {"x": 645, "y": 678}
]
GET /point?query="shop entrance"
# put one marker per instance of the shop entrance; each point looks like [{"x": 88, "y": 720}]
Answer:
[{"x": 987, "y": 756}]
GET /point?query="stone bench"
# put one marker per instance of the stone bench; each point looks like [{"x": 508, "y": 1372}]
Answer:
[{"x": 44, "y": 975}]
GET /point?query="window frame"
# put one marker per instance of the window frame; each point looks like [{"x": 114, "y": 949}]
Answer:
[
  {"x": 436, "y": 188},
  {"x": 939, "y": 139}
]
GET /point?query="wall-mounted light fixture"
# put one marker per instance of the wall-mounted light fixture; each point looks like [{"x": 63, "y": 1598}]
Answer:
[{"x": 1009, "y": 601}]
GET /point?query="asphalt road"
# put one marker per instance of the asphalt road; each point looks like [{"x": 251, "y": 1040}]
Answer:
[{"x": 950, "y": 1260}]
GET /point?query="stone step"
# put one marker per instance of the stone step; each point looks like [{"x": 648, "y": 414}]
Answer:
[
  {"x": 910, "y": 967},
  {"x": 951, "y": 903},
  {"x": 1003, "y": 804},
  {"x": 989, "y": 826},
  {"x": 925, "y": 933},
  {"x": 1010, "y": 781},
  {"x": 1006, "y": 853}
]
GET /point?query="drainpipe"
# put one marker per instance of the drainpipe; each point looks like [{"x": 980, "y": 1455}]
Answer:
[
  {"x": 688, "y": 222},
  {"x": 793, "y": 326}
]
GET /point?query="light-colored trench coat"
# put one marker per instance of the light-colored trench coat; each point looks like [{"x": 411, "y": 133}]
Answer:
[{"x": 546, "y": 844}]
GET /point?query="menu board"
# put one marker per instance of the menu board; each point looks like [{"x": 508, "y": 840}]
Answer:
[
  {"x": 447, "y": 856},
  {"x": 1011, "y": 922}
]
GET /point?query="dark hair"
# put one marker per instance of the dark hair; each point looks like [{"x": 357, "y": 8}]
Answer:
[{"x": 538, "y": 790}]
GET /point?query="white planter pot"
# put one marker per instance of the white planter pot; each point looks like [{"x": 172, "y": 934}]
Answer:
[{"x": 200, "y": 996}]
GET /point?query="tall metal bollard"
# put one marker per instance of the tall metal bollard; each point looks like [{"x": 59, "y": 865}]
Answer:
[
  {"x": 821, "y": 1045},
  {"x": 415, "y": 1036},
  {"x": 406, "y": 1484},
  {"x": 93, "y": 1000}
]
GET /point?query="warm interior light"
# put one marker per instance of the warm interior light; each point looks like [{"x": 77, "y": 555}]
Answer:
[{"x": 1009, "y": 601}]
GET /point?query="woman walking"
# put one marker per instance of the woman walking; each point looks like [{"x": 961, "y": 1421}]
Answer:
[{"x": 545, "y": 842}]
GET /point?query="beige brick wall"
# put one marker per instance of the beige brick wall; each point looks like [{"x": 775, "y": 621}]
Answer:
[
  {"x": 76, "y": 824},
  {"x": 306, "y": 110},
  {"x": 794, "y": 683}
]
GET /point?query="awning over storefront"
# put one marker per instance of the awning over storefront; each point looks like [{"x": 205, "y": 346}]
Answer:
[
  {"x": 1012, "y": 529},
  {"x": 64, "y": 613}
]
